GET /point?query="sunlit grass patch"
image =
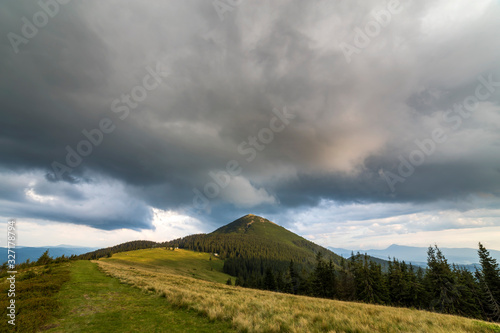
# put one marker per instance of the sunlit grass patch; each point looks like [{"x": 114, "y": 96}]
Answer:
[
  {"x": 252, "y": 310},
  {"x": 94, "y": 302}
]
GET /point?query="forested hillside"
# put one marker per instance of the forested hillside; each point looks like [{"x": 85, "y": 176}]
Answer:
[
  {"x": 252, "y": 246},
  {"x": 128, "y": 246}
]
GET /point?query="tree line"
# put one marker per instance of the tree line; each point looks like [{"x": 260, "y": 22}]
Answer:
[
  {"x": 440, "y": 287},
  {"x": 109, "y": 251}
]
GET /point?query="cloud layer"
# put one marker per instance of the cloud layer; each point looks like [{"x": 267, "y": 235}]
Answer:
[{"x": 352, "y": 119}]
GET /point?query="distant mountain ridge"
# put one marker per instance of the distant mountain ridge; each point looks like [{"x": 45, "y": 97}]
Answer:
[
  {"x": 418, "y": 255},
  {"x": 24, "y": 253}
]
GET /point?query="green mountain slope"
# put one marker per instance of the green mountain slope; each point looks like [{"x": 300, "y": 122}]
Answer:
[
  {"x": 251, "y": 245},
  {"x": 258, "y": 226},
  {"x": 252, "y": 236}
]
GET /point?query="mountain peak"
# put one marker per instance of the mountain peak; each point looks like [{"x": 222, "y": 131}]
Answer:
[
  {"x": 255, "y": 237},
  {"x": 255, "y": 218},
  {"x": 246, "y": 224}
]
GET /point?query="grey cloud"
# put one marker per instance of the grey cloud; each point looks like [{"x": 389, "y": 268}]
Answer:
[{"x": 352, "y": 120}]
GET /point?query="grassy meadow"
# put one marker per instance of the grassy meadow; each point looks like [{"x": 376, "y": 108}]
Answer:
[
  {"x": 93, "y": 302},
  {"x": 197, "y": 265},
  {"x": 250, "y": 310}
]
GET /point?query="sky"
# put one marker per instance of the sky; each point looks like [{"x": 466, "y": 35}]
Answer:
[{"x": 356, "y": 124}]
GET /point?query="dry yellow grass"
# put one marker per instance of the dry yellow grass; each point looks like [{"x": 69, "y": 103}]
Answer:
[{"x": 260, "y": 311}]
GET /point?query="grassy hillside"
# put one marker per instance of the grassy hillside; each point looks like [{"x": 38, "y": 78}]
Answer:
[
  {"x": 180, "y": 262},
  {"x": 251, "y": 310},
  {"x": 251, "y": 245},
  {"x": 93, "y": 302},
  {"x": 254, "y": 236}
]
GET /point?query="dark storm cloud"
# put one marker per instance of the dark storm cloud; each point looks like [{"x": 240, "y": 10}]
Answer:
[
  {"x": 352, "y": 120},
  {"x": 104, "y": 205}
]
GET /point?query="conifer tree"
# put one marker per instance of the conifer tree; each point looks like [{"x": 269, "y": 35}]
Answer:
[
  {"x": 415, "y": 287},
  {"x": 490, "y": 272},
  {"x": 346, "y": 288},
  {"x": 44, "y": 259},
  {"x": 469, "y": 302},
  {"x": 395, "y": 282},
  {"x": 440, "y": 282},
  {"x": 269, "y": 280},
  {"x": 292, "y": 281},
  {"x": 379, "y": 283},
  {"x": 489, "y": 284}
]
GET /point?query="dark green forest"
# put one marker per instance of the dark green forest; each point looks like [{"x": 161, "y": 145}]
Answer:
[{"x": 441, "y": 287}]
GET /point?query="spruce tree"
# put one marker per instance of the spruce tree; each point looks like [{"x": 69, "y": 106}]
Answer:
[
  {"x": 292, "y": 280},
  {"x": 380, "y": 293},
  {"x": 319, "y": 277},
  {"x": 365, "y": 277},
  {"x": 346, "y": 287},
  {"x": 489, "y": 282},
  {"x": 440, "y": 282},
  {"x": 269, "y": 280},
  {"x": 330, "y": 280},
  {"x": 469, "y": 302},
  {"x": 395, "y": 283},
  {"x": 415, "y": 287},
  {"x": 490, "y": 272},
  {"x": 46, "y": 259}
]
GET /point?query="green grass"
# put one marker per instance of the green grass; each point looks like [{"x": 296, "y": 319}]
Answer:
[
  {"x": 180, "y": 262},
  {"x": 94, "y": 302},
  {"x": 252, "y": 310},
  {"x": 35, "y": 290}
]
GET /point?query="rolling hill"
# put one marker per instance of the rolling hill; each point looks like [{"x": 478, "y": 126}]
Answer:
[{"x": 251, "y": 245}]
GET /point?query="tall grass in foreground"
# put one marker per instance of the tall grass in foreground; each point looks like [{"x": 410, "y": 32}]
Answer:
[
  {"x": 252, "y": 310},
  {"x": 35, "y": 303}
]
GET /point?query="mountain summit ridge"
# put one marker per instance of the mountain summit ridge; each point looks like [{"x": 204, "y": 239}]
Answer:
[
  {"x": 251, "y": 244},
  {"x": 251, "y": 223}
]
